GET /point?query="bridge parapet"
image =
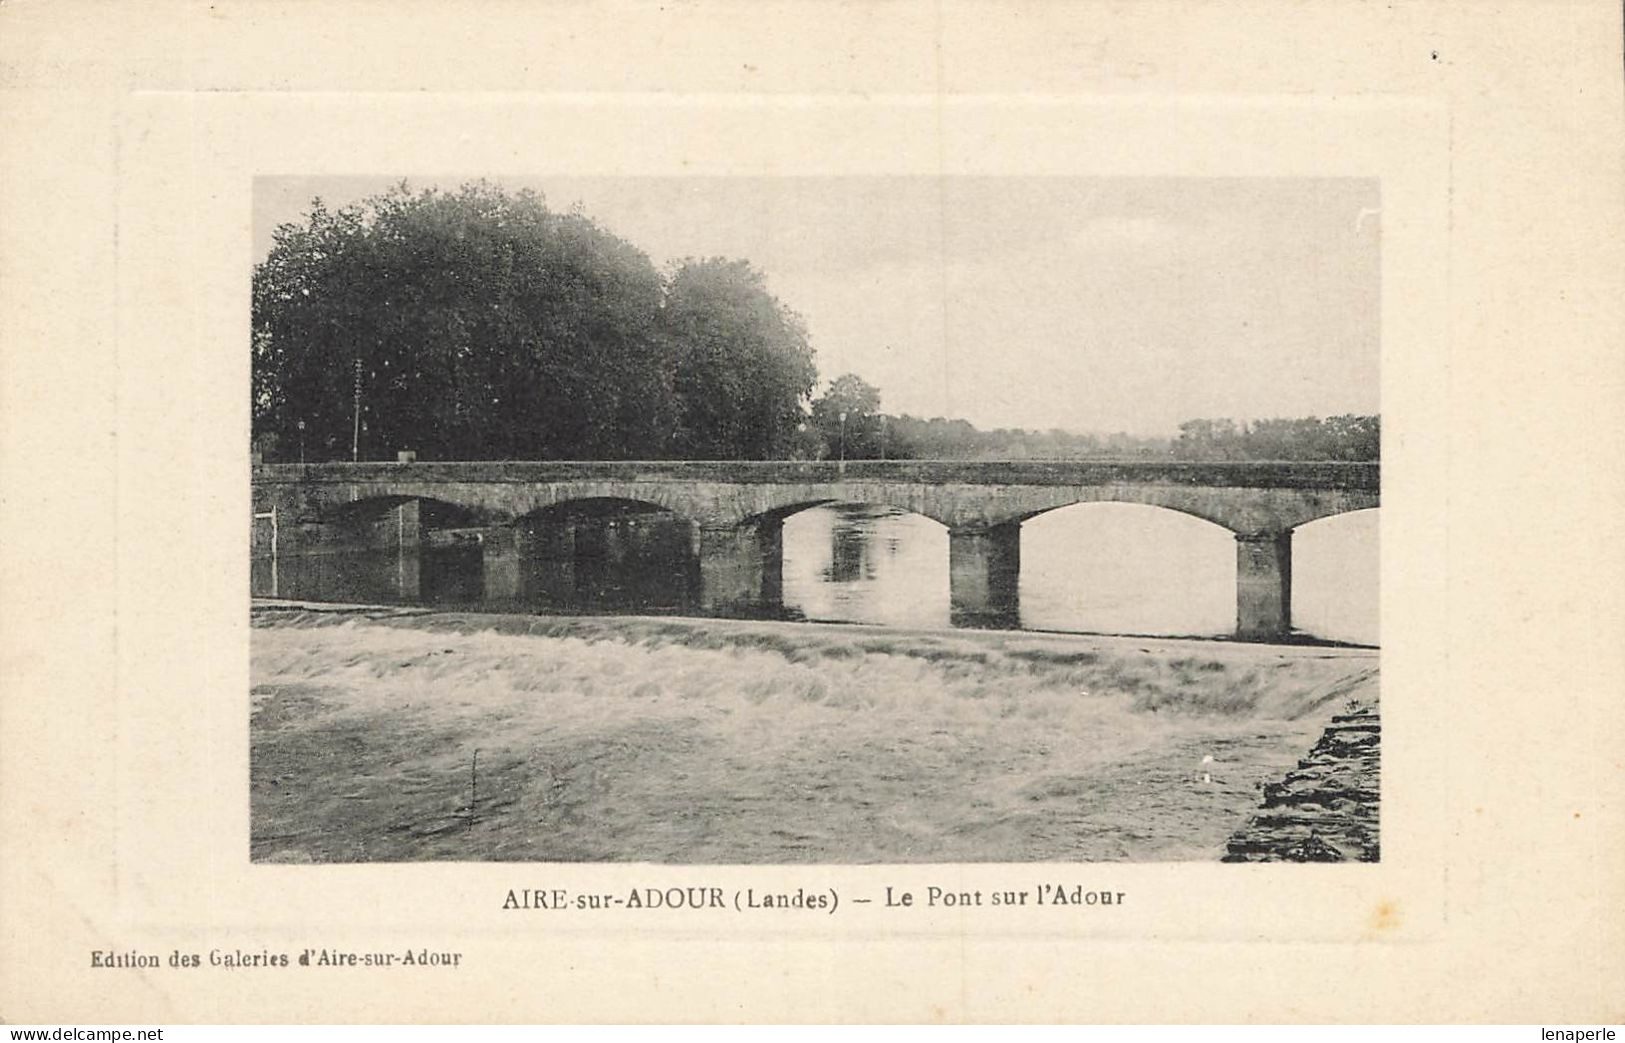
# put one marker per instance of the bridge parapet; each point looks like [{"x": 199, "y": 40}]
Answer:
[
  {"x": 1352, "y": 477},
  {"x": 1243, "y": 497}
]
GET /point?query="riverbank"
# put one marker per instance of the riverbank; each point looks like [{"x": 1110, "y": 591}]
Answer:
[
  {"x": 399, "y": 734},
  {"x": 1327, "y": 809}
]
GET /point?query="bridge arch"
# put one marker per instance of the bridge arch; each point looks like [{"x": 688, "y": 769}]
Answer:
[
  {"x": 1363, "y": 514},
  {"x": 1317, "y": 507},
  {"x": 503, "y": 502},
  {"x": 443, "y": 512},
  {"x": 687, "y": 503},
  {"x": 596, "y": 506},
  {"x": 775, "y": 503},
  {"x": 1239, "y": 510},
  {"x": 1175, "y": 501}
]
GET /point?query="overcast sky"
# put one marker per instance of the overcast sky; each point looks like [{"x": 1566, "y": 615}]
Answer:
[{"x": 1089, "y": 304}]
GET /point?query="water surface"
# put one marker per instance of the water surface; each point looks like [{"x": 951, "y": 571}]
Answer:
[{"x": 1099, "y": 567}]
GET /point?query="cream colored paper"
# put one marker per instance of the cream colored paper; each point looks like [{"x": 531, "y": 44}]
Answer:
[{"x": 133, "y": 136}]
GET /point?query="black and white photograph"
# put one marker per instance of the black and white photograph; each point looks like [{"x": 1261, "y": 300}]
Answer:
[{"x": 831, "y": 520}]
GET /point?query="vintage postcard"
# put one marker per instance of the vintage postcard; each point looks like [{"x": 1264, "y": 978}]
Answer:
[{"x": 822, "y": 513}]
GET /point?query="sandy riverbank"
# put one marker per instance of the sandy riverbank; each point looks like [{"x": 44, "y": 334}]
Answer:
[{"x": 677, "y": 740}]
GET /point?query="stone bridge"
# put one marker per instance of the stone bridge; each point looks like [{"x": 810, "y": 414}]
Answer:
[{"x": 736, "y": 510}]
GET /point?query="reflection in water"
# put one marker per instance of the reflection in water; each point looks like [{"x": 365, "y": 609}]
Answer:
[
  {"x": 1104, "y": 567},
  {"x": 1127, "y": 569},
  {"x": 855, "y": 563},
  {"x": 1335, "y": 577},
  {"x": 452, "y": 569},
  {"x": 629, "y": 561},
  {"x": 849, "y": 559}
]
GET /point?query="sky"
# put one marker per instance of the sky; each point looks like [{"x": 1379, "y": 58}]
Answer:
[{"x": 1089, "y": 304}]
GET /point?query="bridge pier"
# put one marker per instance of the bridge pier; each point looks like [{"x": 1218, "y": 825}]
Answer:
[
  {"x": 1263, "y": 585},
  {"x": 984, "y": 571},
  {"x": 741, "y": 567}
]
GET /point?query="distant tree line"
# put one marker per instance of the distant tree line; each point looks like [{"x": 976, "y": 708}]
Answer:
[
  {"x": 1348, "y": 437},
  {"x": 867, "y": 433},
  {"x": 481, "y": 325}
]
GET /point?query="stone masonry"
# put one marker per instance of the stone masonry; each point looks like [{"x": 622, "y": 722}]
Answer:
[{"x": 1326, "y": 809}]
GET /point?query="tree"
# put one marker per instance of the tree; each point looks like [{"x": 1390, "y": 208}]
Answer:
[
  {"x": 1208, "y": 440},
  {"x": 475, "y": 325},
  {"x": 848, "y": 417},
  {"x": 742, "y": 362}
]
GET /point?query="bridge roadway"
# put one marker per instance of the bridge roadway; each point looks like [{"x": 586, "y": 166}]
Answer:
[{"x": 736, "y": 510}]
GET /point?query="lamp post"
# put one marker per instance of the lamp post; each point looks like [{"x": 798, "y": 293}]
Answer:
[
  {"x": 301, "y": 443},
  {"x": 355, "y": 435},
  {"x": 843, "y": 438}
]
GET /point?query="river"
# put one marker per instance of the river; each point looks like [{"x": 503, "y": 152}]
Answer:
[{"x": 1106, "y": 568}]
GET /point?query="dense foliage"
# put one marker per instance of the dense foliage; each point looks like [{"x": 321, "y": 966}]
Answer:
[
  {"x": 482, "y": 325},
  {"x": 742, "y": 363}
]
